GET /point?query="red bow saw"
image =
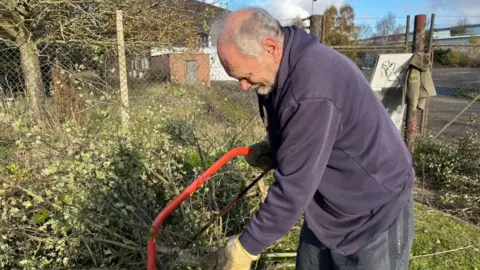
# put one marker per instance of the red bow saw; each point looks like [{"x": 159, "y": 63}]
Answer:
[{"x": 172, "y": 205}]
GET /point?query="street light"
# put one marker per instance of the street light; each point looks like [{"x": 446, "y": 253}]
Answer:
[{"x": 312, "y": 5}]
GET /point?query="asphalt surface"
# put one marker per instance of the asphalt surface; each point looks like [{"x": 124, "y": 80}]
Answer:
[
  {"x": 444, "y": 107},
  {"x": 456, "y": 77}
]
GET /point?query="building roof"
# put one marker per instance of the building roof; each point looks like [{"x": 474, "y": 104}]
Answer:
[
  {"x": 450, "y": 27},
  {"x": 402, "y": 35}
]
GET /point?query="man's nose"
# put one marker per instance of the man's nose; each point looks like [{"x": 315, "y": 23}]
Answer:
[{"x": 245, "y": 85}]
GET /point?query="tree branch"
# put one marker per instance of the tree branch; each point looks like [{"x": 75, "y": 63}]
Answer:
[
  {"x": 22, "y": 11},
  {"x": 9, "y": 29}
]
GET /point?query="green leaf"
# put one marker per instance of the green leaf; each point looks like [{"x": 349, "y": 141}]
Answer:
[
  {"x": 27, "y": 204},
  {"x": 40, "y": 217},
  {"x": 128, "y": 242},
  {"x": 67, "y": 199},
  {"x": 100, "y": 174},
  {"x": 51, "y": 169}
]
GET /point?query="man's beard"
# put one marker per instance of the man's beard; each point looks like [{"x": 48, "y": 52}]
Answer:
[{"x": 262, "y": 89}]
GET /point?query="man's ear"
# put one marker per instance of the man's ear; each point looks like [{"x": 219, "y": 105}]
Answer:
[{"x": 272, "y": 48}]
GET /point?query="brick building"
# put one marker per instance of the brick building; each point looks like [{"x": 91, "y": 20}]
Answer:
[{"x": 183, "y": 68}]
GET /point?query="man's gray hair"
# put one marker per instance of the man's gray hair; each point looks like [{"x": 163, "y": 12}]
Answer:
[{"x": 258, "y": 25}]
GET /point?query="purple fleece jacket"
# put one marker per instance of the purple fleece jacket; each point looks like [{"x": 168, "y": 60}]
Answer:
[{"x": 339, "y": 160}]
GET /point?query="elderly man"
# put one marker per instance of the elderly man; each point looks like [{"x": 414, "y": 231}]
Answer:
[{"x": 338, "y": 159}]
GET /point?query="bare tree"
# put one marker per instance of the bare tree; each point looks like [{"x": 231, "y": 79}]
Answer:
[
  {"x": 29, "y": 23},
  {"x": 363, "y": 31},
  {"x": 388, "y": 29}
]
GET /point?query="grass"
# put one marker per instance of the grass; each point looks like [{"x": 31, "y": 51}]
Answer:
[
  {"x": 440, "y": 243},
  {"x": 444, "y": 243}
]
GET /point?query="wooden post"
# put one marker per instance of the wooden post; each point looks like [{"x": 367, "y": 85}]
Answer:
[
  {"x": 122, "y": 70},
  {"x": 316, "y": 26},
  {"x": 417, "y": 47}
]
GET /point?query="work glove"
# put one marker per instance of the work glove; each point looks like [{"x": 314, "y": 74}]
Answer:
[
  {"x": 259, "y": 156},
  {"x": 231, "y": 257}
]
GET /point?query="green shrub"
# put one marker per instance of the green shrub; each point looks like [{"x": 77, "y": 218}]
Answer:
[
  {"x": 452, "y": 58},
  {"x": 85, "y": 197},
  {"x": 453, "y": 169}
]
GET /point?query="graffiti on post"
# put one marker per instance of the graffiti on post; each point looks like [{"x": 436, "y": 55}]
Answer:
[
  {"x": 387, "y": 83},
  {"x": 390, "y": 70}
]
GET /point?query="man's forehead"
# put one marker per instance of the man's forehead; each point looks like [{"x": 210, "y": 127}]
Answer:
[{"x": 225, "y": 53}]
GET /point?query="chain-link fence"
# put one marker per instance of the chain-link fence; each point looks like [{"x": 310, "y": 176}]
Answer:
[
  {"x": 447, "y": 155},
  {"x": 98, "y": 135},
  {"x": 447, "y": 144},
  {"x": 456, "y": 74}
]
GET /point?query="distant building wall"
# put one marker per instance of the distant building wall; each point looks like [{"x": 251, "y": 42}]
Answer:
[{"x": 180, "y": 68}]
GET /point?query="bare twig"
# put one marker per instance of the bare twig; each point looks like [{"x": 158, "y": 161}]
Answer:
[
  {"x": 280, "y": 255},
  {"x": 442, "y": 252}
]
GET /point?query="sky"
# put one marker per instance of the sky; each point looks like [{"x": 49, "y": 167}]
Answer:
[{"x": 447, "y": 12}]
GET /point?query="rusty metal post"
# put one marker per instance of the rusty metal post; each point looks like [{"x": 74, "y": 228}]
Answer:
[
  {"x": 430, "y": 37},
  {"x": 423, "y": 123},
  {"x": 323, "y": 35},
  {"x": 418, "y": 46},
  {"x": 316, "y": 26},
  {"x": 407, "y": 33}
]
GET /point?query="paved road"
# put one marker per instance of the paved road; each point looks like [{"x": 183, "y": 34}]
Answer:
[
  {"x": 456, "y": 77},
  {"x": 442, "y": 109},
  {"x": 445, "y": 107}
]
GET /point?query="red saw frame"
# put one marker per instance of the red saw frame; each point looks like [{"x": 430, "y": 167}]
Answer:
[{"x": 172, "y": 205}]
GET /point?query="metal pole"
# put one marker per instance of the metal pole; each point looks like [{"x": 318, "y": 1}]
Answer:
[
  {"x": 430, "y": 38},
  {"x": 323, "y": 35},
  {"x": 417, "y": 47},
  {"x": 407, "y": 34},
  {"x": 316, "y": 26},
  {"x": 423, "y": 124}
]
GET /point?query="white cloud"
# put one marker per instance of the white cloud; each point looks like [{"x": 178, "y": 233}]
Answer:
[
  {"x": 286, "y": 10},
  {"x": 456, "y": 9}
]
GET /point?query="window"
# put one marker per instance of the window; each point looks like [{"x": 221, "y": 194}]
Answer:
[{"x": 203, "y": 41}]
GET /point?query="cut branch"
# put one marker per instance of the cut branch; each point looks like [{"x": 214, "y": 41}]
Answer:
[{"x": 9, "y": 29}]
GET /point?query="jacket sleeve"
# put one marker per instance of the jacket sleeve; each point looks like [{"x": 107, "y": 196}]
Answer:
[{"x": 308, "y": 132}]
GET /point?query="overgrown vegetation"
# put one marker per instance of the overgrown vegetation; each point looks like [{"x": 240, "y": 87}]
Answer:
[
  {"x": 452, "y": 170},
  {"x": 84, "y": 195},
  {"x": 457, "y": 58}
]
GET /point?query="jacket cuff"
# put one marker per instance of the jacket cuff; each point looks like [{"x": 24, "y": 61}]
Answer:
[{"x": 250, "y": 244}]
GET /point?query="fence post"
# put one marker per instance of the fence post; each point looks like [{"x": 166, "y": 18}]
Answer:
[
  {"x": 407, "y": 33},
  {"x": 122, "y": 70},
  {"x": 417, "y": 47},
  {"x": 316, "y": 27},
  {"x": 423, "y": 123}
]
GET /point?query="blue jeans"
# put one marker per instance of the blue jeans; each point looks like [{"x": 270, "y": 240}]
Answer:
[{"x": 389, "y": 251}]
